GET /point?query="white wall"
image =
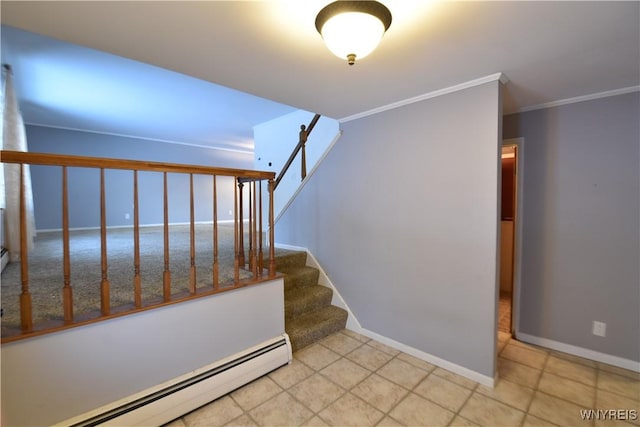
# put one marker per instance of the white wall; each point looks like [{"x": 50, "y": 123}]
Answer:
[
  {"x": 275, "y": 140},
  {"x": 57, "y": 376},
  {"x": 403, "y": 216}
]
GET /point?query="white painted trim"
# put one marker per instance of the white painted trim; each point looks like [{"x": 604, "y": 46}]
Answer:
[
  {"x": 121, "y": 135},
  {"x": 466, "y": 85},
  {"x": 580, "y": 352},
  {"x": 434, "y": 360},
  {"x": 589, "y": 97},
  {"x": 309, "y": 175},
  {"x": 354, "y": 325}
]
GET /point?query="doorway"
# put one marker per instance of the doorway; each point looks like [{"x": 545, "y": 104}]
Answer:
[{"x": 509, "y": 227}]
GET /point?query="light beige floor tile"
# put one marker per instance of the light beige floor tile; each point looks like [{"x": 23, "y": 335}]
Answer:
[
  {"x": 383, "y": 347},
  {"x": 571, "y": 370},
  {"x": 341, "y": 343},
  {"x": 443, "y": 392},
  {"x": 176, "y": 423},
  {"x": 614, "y": 383},
  {"x": 528, "y": 346},
  {"x": 556, "y": 410},
  {"x": 417, "y": 411},
  {"x": 531, "y": 421},
  {"x": 455, "y": 378},
  {"x": 567, "y": 389},
  {"x": 620, "y": 371},
  {"x": 518, "y": 373},
  {"x": 282, "y": 410},
  {"x": 606, "y": 400},
  {"x": 345, "y": 373},
  {"x": 291, "y": 374},
  {"x": 612, "y": 423},
  {"x": 316, "y": 356},
  {"x": 459, "y": 421},
  {"x": 316, "y": 392},
  {"x": 501, "y": 346},
  {"x": 484, "y": 411},
  {"x": 574, "y": 359},
  {"x": 524, "y": 355},
  {"x": 216, "y": 413},
  {"x": 388, "y": 422},
  {"x": 348, "y": 410},
  {"x": 242, "y": 421},
  {"x": 355, "y": 335},
  {"x": 256, "y": 392},
  {"x": 509, "y": 393},
  {"x": 418, "y": 363},
  {"x": 368, "y": 357},
  {"x": 402, "y": 373},
  {"x": 316, "y": 422},
  {"x": 379, "y": 392}
]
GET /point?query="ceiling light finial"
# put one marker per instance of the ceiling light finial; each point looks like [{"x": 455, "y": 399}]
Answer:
[{"x": 353, "y": 29}]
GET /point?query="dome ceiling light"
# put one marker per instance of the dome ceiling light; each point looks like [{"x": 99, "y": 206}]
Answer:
[{"x": 353, "y": 29}]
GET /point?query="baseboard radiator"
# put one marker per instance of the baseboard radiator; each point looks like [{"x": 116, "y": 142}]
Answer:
[{"x": 168, "y": 401}]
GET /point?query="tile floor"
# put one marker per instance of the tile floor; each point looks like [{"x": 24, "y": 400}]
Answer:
[
  {"x": 350, "y": 380},
  {"x": 504, "y": 312}
]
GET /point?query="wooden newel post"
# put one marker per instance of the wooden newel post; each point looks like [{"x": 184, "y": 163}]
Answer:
[
  {"x": 240, "y": 225},
  {"x": 272, "y": 251},
  {"x": 303, "y": 158},
  {"x": 67, "y": 293}
]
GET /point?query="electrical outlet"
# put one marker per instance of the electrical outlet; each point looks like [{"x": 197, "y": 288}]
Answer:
[
  {"x": 599, "y": 328},
  {"x": 127, "y": 216},
  {"x": 230, "y": 212}
]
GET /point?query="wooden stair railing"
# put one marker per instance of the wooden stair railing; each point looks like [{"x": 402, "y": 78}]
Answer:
[
  {"x": 241, "y": 177},
  {"x": 305, "y": 131}
]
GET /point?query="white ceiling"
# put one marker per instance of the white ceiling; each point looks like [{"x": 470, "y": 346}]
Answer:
[{"x": 549, "y": 51}]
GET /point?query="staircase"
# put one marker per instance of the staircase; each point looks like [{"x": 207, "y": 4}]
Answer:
[{"x": 309, "y": 315}]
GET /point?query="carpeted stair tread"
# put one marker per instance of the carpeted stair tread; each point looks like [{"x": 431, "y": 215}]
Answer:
[
  {"x": 313, "y": 326},
  {"x": 298, "y": 301},
  {"x": 290, "y": 260},
  {"x": 301, "y": 277}
]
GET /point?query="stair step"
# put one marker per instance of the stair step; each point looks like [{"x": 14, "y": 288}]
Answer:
[
  {"x": 301, "y": 277},
  {"x": 311, "y": 327},
  {"x": 287, "y": 260},
  {"x": 298, "y": 301}
]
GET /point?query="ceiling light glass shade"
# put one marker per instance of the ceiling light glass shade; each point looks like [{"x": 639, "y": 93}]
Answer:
[{"x": 353, "y": 29}]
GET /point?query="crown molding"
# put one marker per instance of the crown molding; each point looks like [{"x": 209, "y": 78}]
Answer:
[
  {"x": 589, "y": 97},
  {"x": 501, "y": 77},
  {"x": 166, "y": 141}
]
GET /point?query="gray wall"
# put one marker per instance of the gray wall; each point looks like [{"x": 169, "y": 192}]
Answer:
[
  {"x": 402, "y": 215},
  {"x": 84, "y": 183},
  {"x": 581, "y": 223}
]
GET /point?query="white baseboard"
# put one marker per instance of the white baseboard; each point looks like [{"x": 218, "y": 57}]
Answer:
[
  {"x": 580, "y": 352},
  {"x": 354, "y": 325}
]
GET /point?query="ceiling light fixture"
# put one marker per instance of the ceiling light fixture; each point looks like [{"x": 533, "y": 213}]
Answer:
[{"x": 353, "y": 29}]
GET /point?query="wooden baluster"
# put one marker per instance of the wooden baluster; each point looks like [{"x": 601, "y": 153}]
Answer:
[
  {"x": 241, "y": 229},
  {"x": 166, "y": 276},
  {"x": 254, "y": 234},
  {"x": 303, "y": 155},
  {"x": 192, "y": 232},
  {"x": 236, "y": 259},
  {"x": 272, "y": 253},
  {"x": 26, "y": 317},
  {"x": 260, "y": 255},
  {"x": 137, "y": 286},
  {"x": 251, "y": 220},
  {"x": 215, "y": 236},
  {"x": 67, "y": 293},
  {"x": 104, "y": 284}
]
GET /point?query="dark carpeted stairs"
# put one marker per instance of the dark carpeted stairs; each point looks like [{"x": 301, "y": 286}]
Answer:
[{"x": 309, "y": 315}]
